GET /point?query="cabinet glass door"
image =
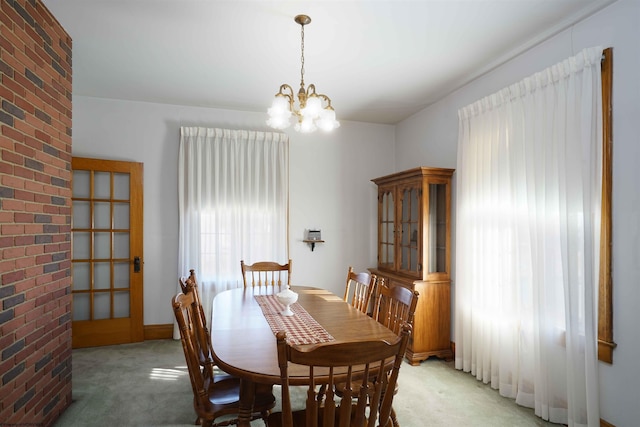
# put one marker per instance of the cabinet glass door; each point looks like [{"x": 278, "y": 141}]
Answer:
[
  {"x": 437, "y": 228},
  {"x": 409, "y": 228},
  {"x": 386, "y": 231}
]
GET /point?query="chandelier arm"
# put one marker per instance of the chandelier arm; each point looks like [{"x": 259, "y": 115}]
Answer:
[
  {"x": 284, "y": 88},
  {"x": 311, "y": 90},
  {"x": 290, "y": 99},
  {"x": 326, "y": 98}
]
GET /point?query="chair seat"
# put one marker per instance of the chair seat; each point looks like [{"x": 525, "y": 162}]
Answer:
[
  {"x": 225, "y": 392},
  {"x": 225, "y": 395}
]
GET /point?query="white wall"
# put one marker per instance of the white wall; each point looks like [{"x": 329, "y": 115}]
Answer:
[
  {"x": 430, "y": 138},
  {"x": 330, "y": 187}
]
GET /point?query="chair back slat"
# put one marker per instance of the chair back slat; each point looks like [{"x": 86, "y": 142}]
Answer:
[{"x": 266, "y": 273}]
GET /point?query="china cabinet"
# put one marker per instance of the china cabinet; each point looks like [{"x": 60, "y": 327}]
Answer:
[{"x": 414, "y": 250}]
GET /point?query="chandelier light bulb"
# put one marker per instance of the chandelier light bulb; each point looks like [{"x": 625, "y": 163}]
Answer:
[
  {"x": 327, "y": 121},
  {"x": 310, "y": 113},
  {"x": 313, "y": 107},
  {"x": 279, "y": 107},
  {"x": 305, "y": 126}
]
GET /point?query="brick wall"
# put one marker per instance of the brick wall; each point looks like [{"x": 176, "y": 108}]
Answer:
[{"x": 35, "y": 214}]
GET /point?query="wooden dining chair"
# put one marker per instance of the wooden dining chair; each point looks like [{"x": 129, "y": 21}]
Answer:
[
  {"x": 359, "y": 289},
  {"x": 266, "y": 273},
  {"x": 365, "y": 403},
  {"x": 394, "y": 307},
  {"x": 214, "y": 396}
]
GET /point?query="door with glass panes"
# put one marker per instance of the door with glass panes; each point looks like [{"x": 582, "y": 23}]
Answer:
[{"x": 107, "y": 261}]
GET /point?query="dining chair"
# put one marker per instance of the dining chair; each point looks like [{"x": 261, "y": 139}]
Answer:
[
  {"x": 358, "y": 292},
  {"x": 365, "y": 403},
  {"x": 393, "y": 307},
  {"x": 359, "y": 289},
  {"x": 215, "y": 395},
  {"x": 266, "y": 273}
]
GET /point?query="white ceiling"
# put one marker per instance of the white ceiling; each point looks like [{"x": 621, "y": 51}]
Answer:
[{"x": 378, "y": 61}]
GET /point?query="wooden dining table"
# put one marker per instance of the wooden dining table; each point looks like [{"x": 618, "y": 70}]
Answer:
[{"x": 244, "y": 344}]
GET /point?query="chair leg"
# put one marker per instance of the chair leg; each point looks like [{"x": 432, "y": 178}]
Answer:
[{"x": 394, "y": 419}]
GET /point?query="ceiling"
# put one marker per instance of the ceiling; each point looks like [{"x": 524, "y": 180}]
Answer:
[{"x": 378, "y": 61}]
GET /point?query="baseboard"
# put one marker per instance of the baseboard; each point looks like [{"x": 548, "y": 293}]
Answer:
[{"x": 158, "y": 332}]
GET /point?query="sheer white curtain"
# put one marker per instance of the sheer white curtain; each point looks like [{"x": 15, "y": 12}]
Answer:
[
  {"x": 233, "y": 192},
  {"x": 528, "y": 231}
]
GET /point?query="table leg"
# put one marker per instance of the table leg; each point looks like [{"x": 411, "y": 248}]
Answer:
[{"x": 247, "y": 394}]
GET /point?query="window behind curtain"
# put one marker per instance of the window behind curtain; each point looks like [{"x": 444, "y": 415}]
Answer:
[
  {"x": 233, "y": 188},
  {"x": 528, "y": 239}
]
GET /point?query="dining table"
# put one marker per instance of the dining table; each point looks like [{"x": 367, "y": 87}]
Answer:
[{"x": 244, "y": 322}]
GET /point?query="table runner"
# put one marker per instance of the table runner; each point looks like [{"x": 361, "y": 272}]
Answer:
[{"x": 301, "y": 328}]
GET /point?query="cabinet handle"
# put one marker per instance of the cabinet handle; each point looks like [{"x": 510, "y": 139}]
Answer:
[{"x": 419, "y": 267}]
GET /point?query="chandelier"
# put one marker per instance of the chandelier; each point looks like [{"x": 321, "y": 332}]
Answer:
[{"x": 311, "y": 114}]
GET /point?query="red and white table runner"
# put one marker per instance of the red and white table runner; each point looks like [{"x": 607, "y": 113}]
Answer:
[{"x": 301, "y": 328}]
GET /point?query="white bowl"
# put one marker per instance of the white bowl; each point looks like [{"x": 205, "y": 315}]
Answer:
[{"x": 287, "y": 297}]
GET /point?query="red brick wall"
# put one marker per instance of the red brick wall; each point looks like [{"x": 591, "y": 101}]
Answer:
[{"x": 35, "y": 214}]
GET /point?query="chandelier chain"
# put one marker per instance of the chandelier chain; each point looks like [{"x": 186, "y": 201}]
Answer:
[{"x": 302, "y": 56}]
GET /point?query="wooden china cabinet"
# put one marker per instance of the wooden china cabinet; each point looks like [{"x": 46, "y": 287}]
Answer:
[{"x": 414, "y": 250}]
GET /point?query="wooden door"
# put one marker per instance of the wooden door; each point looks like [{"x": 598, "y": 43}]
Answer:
[
  {"x": 386, "y": 228},
  {"x": 107, "y": 261},
  {"x": 409, "y": 226}
]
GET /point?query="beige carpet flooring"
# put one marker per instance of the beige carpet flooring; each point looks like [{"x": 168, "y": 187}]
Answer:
[{"x": 147, "y": 384}]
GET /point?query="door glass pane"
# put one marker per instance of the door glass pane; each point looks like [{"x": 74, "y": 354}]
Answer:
[
  {"x": 81, "y": 184},
  {"x": 102, "y": 305},
  {"x": 409, "y": 227},
  {"x": 102, "y": 275},
  {"x": 121, "y": 245},
  {"x": 81, "y": 276},
  {"x": 81, "y": 245},
  {"x": 120, "y": 304},
  {"x": 81, "y": 214},
  {"x": 102, "y": 245},
  {"x": 121, "y": 186},
  {"x": 121, "y": 275},
  {"x": 102, "y": 215},
  {"x": 406, "y": 233},
  {"x": 386, "y": 237},
  {"x": 406, "y": 205},
  {"x": 121, "y": 216},
  {"x": 102, "y": 185},
  {"x": 81, "y": 307},
  {"x": 437, "y": 228},
  {"x": 404, "y": 262}
]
